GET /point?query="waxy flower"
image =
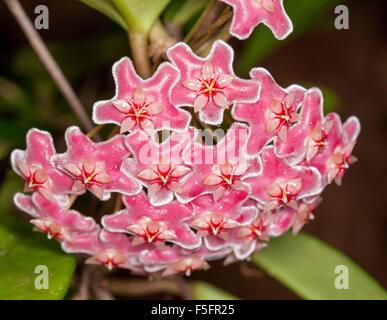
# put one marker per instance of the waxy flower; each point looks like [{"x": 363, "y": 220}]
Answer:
[
  {"x": 273, "y": 114},
  {"x": 114, "y": 250},
  {"x": 249, "y": 13},
  {"x": 219, "y": 170},
  {"x": 95, "y": 166},
  {"x": 159, "y": 167},
  {"x": 35, "y": 167},
  {"x": 186, "y": 266},
  {"x": 154, "y": 224},
  {"x": 50, "y": 218},
  {"x": 186, "y": 201},
  {"x": 142, "y": 104},
  {"x": 334, "y": 159},
  {"x": 209, "y": 84},
  {"x": 280, "y": 184},
  {"x": 309, "y": 136},
  {"x": 304, "y": 214},
  {"x": 217, "y": 218}
]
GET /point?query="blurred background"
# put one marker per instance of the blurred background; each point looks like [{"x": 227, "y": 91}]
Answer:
[{"x": 349, "y": 65}]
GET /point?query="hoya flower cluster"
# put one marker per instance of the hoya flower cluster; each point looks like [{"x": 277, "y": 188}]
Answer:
[{"x": 187, "y": 202}]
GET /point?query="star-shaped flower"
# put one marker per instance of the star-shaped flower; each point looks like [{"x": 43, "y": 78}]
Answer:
[
  {"x": 154, "y": 225},
  {"x": 273, "y": 114},
  {"x": 35, "y": 167},
  {"x": 280, "y": 184},
  {"x": 219, "y": 170},
  {"x": 115, "y": 250},
  {"x": 159, "y": 167},
  {"x": 209, "y": 84},
  {"x": 95, "y": 166},
  {"x": 142, "y": 104},
  {"x": 174, "y": 260},
  {"x": 50, "y": 218},
  {"x": 249, "y": 13},
  {"x": 336, "y": 156},
  {"x": 215, "y": 220}
]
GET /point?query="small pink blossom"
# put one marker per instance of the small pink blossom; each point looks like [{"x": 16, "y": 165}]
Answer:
[
  {"x": 309, "y": 136},
  {"x": 159, "y": 167},
  {"x": 35, "y": 167},
  {"x": 217, "y": 218},
  {"x": 273, "y": 114},
  {"x": 280, "y": 184},
  {"x": 304, "y": 214},
  {"x": 95, "y": 166},
  {"x": 115, "y": 250},
  {"x": 219, "y": 170},
  {"x": 186, "y": 266},
  {"x": 334, "y": 159},
  {"x": 50, "y": 218},
  {"x": 154, "y": 224},
  {"x": 142, "y": 104},
  {"x": 249, "y": 13},
  {"x": 209, "y": 84}
]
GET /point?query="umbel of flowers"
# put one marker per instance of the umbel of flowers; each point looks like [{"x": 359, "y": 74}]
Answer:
[{"x": 187, "y": 202}]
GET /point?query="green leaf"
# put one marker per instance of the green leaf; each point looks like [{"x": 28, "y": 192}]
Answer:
[
  {"x": 307, "y": 265},
  {"x": 304, "y": 15},
  {"x": 107, "y": 8},
  {"x": 204, "y": 291},
  {"x": 11, "y": 184},
  {"x": 140, "y": 15},
  {"x": 21, "y": 251}
]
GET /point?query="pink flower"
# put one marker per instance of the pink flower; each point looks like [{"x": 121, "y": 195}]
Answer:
[
  {"x": 309, "y": 136},
  {"x": 154, "y": 224},
  {"x": 249, "y": 13},
  {"x": 209, "y": 84},
  {"x": 273, "y": 114},
  {"x": 95, "y": 166},
  {"x": 304, "y": 214},
  {"x": 334, "y": 159},
  {"x": 35, "y": 167},
  {"x": 142, "y": 104},
  {"x": 115, "y": 250},
  {"x": 159, "y": 167},
  {"x": 50, "y": 218},
  {"x": 280, "y": 184},
  {"x": 219, "y": 170}
]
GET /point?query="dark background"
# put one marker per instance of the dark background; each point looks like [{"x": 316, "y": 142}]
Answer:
[{"x": 352, "y": 63}]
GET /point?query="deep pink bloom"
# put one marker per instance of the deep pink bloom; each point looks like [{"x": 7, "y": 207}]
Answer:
[
  {"x": 154, "y": 224},
  {"x": 159, "y": 167},
  {"x": 209, "y": 84},
  {"x": 334, "y": 158},
  {"x": 95, "y": 166},
  {"x": 249, "y": 13},
  {"x": 110, "y": 249},
  {"x": 219, "y": 170},
  {"x": 214, "y": 221},
  {"x": 50, "y": 218},
  {"x": 280, "y": 184},
  {"x": 142, "y": 104},
  {"x": 273, "y": 114},
  {"x": 35, "y": 167}
]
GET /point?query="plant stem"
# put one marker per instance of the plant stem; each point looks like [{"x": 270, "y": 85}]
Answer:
[
  {"x": 139, "y": 46},
  {"x": 49, "y": 62},
  {"x": 118, "y": 204},
  {"x": 199, "y": 22},
  {"x": 201, "y": 38},
  {"x": 95, "y": 130},
  {"x": 133, "y": 287},
  {"x": 223, "y": 34},
  {"x": 72, "y": 199}
]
